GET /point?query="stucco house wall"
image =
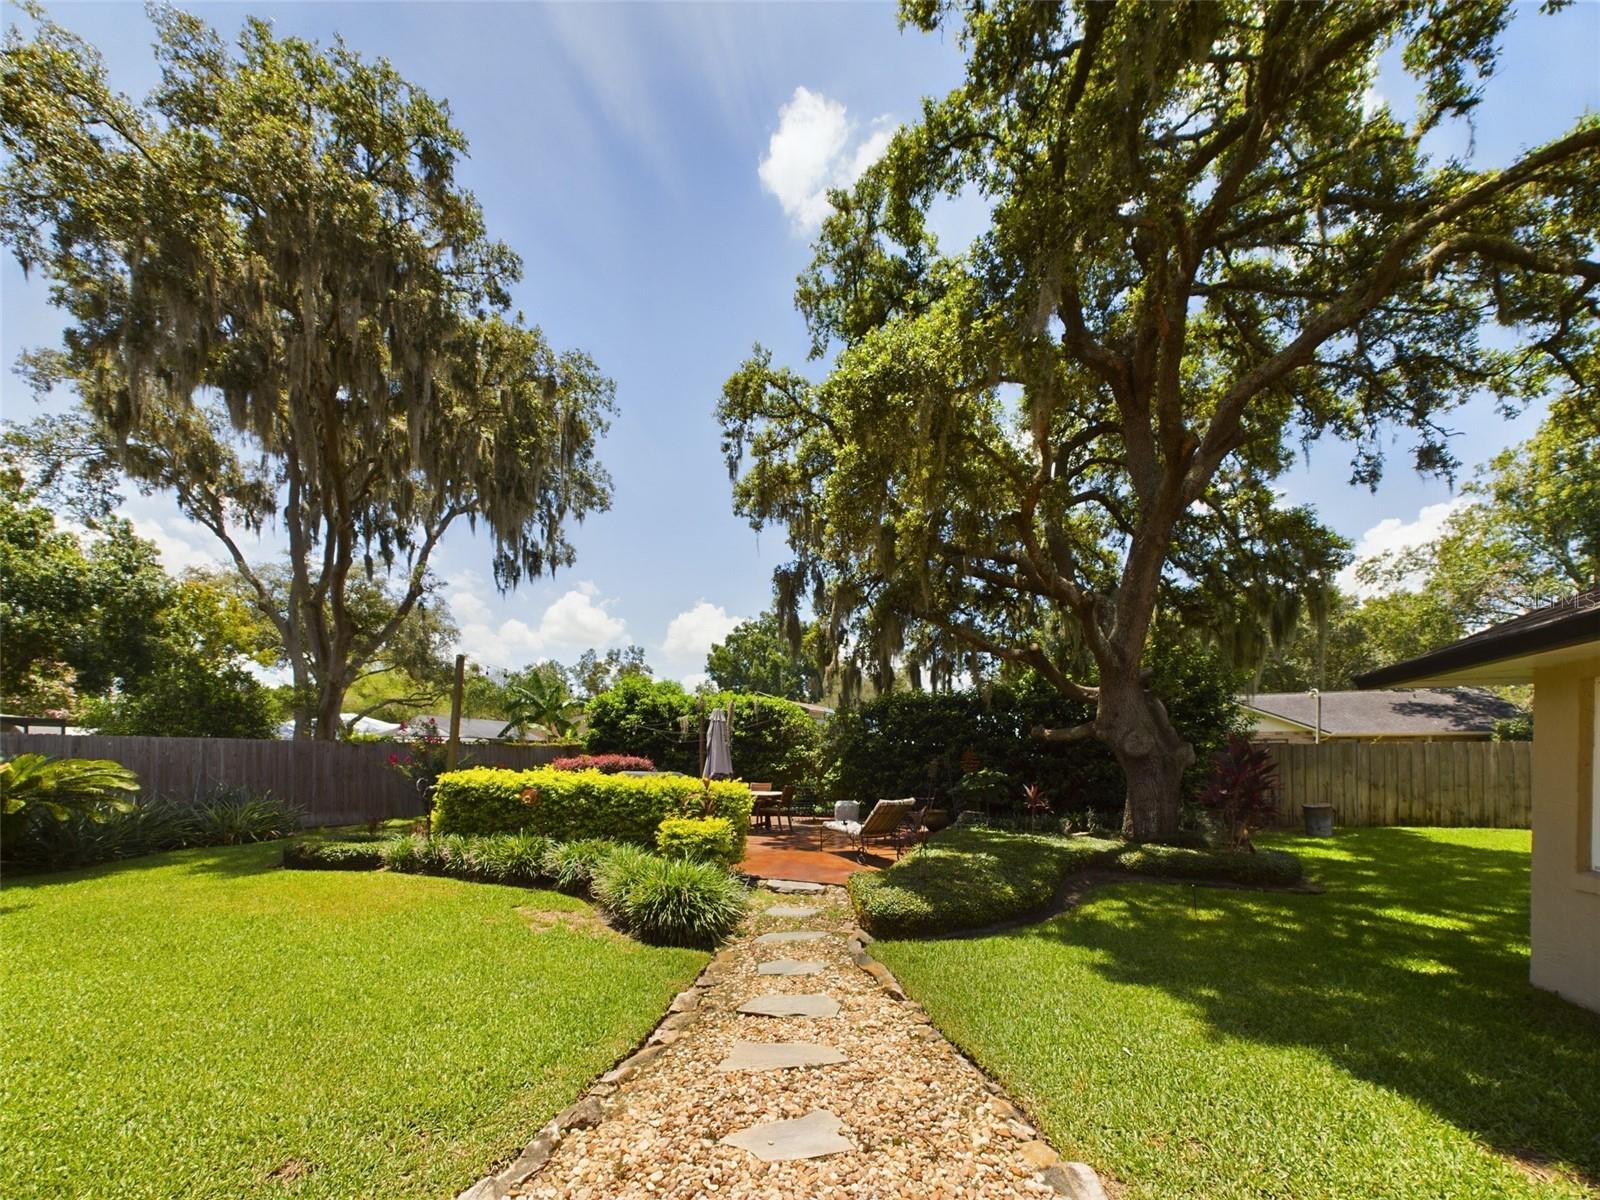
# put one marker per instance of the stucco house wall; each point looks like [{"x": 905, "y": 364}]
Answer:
[{"x": 1566, "y": 860}]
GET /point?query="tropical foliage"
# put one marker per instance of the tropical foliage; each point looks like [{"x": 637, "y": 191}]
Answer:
[
  {"x": 1242, "y": 790},
  {"x": 61, "y": 788},
  {"x": 541, "y": 700}
]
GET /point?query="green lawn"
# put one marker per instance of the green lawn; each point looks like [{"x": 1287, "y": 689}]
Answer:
[
  {"x": 1379, "y": 1040},
  {"x": 206, "y": 1024}
]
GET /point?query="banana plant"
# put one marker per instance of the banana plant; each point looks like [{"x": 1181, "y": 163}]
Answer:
[
  {"x": 541, "y": 700},
  {"x": 64, "y": 787}
]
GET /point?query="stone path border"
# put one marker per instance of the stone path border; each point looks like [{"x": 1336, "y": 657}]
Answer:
[{"x": 959, "y": 1137}]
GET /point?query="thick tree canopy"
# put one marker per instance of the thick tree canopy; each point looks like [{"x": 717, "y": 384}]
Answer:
[
  {"x": 756, "y": 657},
  {"x": 1205, "y": 248},
  {"x": 284, "y": 308},
  {"x": 1529, "y": 534}
]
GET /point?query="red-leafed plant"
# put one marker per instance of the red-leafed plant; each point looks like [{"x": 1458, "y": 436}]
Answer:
[
  {"x": 1036, "y": 802},
  {"x": 1242, "y": 790},
  {"x": 606, "y": 764}
]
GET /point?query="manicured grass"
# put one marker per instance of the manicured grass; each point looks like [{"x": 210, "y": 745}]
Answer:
[
  {"x": 1379, "y": 1040},
  {"x": 971, "y": 878},
  {"x": 205, "y": 1023}
]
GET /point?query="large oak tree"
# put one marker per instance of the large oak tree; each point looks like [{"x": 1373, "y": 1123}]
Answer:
[
  {"x": 283, "y": 308},
  {"x": 1207, "y": 247}
]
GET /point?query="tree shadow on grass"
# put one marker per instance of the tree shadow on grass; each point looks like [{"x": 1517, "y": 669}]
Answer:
[
  {"x": 227, "y": 861},
  {"x": 1410, "y": 972}
]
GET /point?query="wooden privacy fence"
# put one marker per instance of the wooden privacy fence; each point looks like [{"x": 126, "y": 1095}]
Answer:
[
  {"x": 1408, "y": 783},
  {"x": 334, "y": 783}
]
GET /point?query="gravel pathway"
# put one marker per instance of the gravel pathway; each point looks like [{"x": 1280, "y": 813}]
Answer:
[{"x": 919, "y": 1120}]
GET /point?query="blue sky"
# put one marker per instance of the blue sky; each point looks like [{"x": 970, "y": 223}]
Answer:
[{"x": 659, "y": 167}]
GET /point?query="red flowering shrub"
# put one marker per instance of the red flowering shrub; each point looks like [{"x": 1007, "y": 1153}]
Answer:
[{"x": 606, "y": 764}]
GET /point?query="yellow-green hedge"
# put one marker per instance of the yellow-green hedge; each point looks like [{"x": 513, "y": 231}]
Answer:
[{"x": 582, "y": 804}]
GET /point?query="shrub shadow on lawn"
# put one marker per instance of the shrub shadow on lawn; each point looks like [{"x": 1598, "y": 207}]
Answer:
[
  {"x": 1410, "y": 972},
  {"x": 228, "y": 861}
]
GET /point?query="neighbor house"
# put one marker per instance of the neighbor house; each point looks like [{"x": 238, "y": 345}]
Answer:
[
  {"x": 1411, "y": 715},
  {"x": 1557, "y": 650}
]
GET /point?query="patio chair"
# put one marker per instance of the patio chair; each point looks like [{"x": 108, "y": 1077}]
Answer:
[
  {"x": 889, "y": 821},
  {"x": 781, "y": 810},
  {"x": 761, "y": 811}
]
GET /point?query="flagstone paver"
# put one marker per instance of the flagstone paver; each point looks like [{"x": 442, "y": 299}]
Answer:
[
  {"x": 694, "y": 1117},
  {"x": 778, "y": 1056},
  {"x": 791, "y": 1004},
  {"x": 814, "y": 1135},
  {"x": 793, "y": 911},
  {"x": 795, "y": 887},
  {"x": 791, "y": 935},
  {"x": 792, "y": 966}
]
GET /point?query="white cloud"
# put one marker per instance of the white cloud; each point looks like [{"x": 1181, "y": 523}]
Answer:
[
  {"x": 692, "y": 633},
  {"x": 692, "y": 681},
  {"x": 182, "y": 545},
  {"x": 1392, "y": 534},
  {"x": 574, "y": 621},
  {"x": 812, "y": 151}
]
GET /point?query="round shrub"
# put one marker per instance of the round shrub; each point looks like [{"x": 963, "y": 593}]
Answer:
[
  {"x": 704, "y": 839},
  {"x": 678, "y": 902}
]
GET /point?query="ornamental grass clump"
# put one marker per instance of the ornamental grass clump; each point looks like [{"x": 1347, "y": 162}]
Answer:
[
  {"x": 615, "y": 875},
  {"x": 679, "y": 902},
  {"x": 571, "y": 866}
]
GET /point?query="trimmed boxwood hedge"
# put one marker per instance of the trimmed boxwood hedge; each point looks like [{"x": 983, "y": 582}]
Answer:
[
  {"x": 570, "y": 805},
  {"x": 970, "y": 877},
  {"x": 704, "y": 839},
  {"x": 333, "y": 856}
]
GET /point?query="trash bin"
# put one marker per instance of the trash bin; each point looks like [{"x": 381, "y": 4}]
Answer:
[{"x": 1319, "y": 819}]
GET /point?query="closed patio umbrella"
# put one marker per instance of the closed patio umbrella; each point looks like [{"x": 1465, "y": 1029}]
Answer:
[{"x": 719, "y": 763}]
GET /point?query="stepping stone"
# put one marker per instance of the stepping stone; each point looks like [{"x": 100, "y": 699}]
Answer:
[
  {"x": 778, "y": 1056},
  {"x": 792, "y": 911},
  {"x": 794, "y": 887},
  {"x": 791, "y": 966},
  {"x": 793, "y": 935},
  {"x": 780, "y": 1004},
  {"x": 814, "y": 1135}
]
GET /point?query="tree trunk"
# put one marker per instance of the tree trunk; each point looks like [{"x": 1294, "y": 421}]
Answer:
[
  {"x": 330, "y": 700},
  {"x": 1153, "y": 755}
]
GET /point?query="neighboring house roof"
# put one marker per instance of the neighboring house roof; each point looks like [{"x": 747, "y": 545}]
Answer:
[
  {"x": 1507, "y": 652},
  {"x": 818, "y": 712},
  {"x": 1420, "y": 712},
  {"x": 364, "y": 725},
  {"x": 483, "y": 729}
]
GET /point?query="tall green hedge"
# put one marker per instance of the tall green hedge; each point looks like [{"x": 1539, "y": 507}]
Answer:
[
  {"x": 773, "y": 740},
  {"x": 912, "y": 743},
  {"x": 571, "y": 805}
]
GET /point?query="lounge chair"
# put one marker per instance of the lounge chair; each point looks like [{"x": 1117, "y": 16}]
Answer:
[{"x": 889, "y": 821}]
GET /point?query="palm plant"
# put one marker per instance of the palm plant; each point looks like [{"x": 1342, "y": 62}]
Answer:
[
  {"x": 541, "y": 699},
  {"x": 64, "y": 787}
]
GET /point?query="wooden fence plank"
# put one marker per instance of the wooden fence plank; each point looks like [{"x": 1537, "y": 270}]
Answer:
[
  {"x": 1407, "y": 783},
  {"x": 334, "y": 783}
]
